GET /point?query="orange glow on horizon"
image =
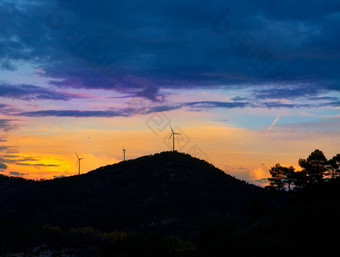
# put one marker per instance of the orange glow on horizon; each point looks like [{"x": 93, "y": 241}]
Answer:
[{"x": 243, "y": 153}]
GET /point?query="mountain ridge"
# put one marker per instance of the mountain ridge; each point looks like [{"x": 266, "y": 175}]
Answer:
[{"x": 165, "y": 192}]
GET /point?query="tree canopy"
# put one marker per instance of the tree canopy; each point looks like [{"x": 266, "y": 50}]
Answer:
[{"x": 314, "y": 170}]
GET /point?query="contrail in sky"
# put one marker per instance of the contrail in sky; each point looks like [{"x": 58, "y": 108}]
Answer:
[{"x": 273, "y": 124}]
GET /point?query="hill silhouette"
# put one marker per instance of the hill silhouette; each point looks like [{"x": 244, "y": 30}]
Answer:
[
  {"x": 169, "y": 193},
  {"x": 195, "y": 209}
]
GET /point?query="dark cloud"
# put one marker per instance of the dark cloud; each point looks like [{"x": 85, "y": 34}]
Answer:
[
  {"x": 36, "y": 164},
  {"x": 3, "y": 166},
  {"x": 288, "y": 92},
  {"x": 21, "y": 161},
  {"x": 16, "y": 173},
  {"x": 31, "y": 92},
  {"x": 302, "y": 96},
  {"x": 151, "y": 93},
  {"x": 16, "y": 159},
  {"x": 277, "y": 104},
  {"x": 163, "y": 108},
  {"x": 145, "y": 45},
  {"x": 216, "y": 104},
  {"x": 239, "y": 98},
  {"x": 76, "y": 113}
]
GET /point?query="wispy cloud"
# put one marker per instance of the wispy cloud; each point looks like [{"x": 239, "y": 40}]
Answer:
[
  {"x": 7, "y": 124},
  {"x": 7, "y": 109},
  {"x": 32, "y": 92},
  {"x": 78, "y": 113},
  {"x": 287, "y": 92},
  {"x": 126, "y": 112},
  {"x": 36, "y": 164},
  {"x": 17, "y": 173},
  {"x": 16, "y": 159}
]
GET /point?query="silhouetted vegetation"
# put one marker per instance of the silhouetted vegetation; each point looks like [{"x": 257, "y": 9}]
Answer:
[
  {"x": 87, "y": 241},
  {"x": 172, "y": 204},
  {"x": 315, "y": 169}
]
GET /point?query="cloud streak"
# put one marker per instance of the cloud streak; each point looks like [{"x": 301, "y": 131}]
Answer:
[
  {"x": 198, "y": 105},
  {"x": 7, "y": 125},
  {"x": 31, "y": 92},
  {"x": 77, "y": 113},
  {"x": 3, "y": 166},
  {"x": 36, "y": 164},
  {"x": 191, "y": 106},
  {"x": 17, "y": 173}
]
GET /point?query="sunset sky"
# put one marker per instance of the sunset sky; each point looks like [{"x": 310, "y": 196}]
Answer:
[{"x": 247, "y": 83}]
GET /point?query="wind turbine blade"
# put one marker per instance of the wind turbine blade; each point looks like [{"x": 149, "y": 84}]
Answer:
[
  {"x": 170, "y": 136},
  {"x": 77, "y": 156},
  {"x": 171, "y": 129}
]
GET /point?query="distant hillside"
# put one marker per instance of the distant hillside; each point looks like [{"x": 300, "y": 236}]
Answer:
[
  {"x": 170, "y": 192},
  {"x": 195, "y": 209}
]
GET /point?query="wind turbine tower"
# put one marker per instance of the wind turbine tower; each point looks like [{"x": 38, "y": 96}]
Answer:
[
  {"x": 124, "y": 150},
  {"x": 78, "y": 163},
  {"x": 173, "y": 133}
]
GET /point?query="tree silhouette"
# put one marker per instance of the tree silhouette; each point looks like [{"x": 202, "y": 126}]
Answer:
[
  {"x": 289, "y": 176},
  {"x": 281, "y": 176},
  {"x": 276, "y": 181},
  {"x": 315, "y": 166},
  {"x": 314, "y": 169},
  {"x": 300, "y": 179},
  {"x": 334, "y": 165}
]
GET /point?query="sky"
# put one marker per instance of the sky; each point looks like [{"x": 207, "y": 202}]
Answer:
[{"x": 248, "y": 84}]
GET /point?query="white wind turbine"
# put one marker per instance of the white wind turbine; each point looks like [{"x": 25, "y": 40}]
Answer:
[
  {"x": 173, "y": 133},
  {"x": 78, "y": 163}
]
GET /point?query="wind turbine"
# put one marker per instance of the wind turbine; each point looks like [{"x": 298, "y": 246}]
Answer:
[
  {"x": 78, "y": 162},
  {"x": 124, "y": 150},
  {"x": 173, "y": 133}
]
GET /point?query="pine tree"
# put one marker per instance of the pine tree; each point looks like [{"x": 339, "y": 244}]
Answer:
[
  {"x": 315, "y": 166},
  {"x": 276, "y": 181}
]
